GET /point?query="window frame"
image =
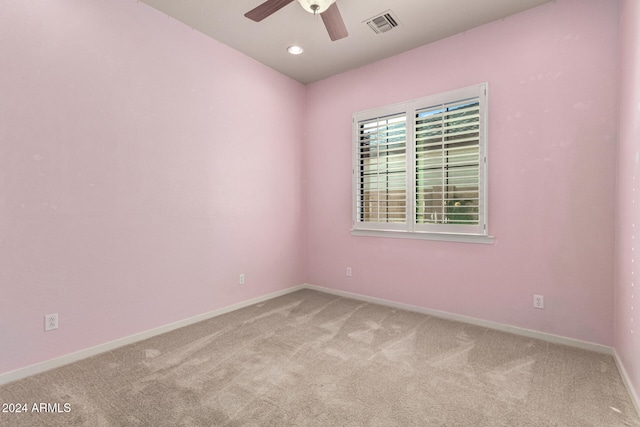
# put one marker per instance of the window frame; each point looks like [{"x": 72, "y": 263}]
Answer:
[{"x": 411, "y": 228}]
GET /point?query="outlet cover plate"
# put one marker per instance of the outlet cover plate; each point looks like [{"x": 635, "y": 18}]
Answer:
[
  {"x": 538, "y": 301},
  {"x": 51, "y": 322}
]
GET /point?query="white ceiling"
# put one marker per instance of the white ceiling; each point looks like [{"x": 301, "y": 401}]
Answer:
[{"x": 420, "y": 22}]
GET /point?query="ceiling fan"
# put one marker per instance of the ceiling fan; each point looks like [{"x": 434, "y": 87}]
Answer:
[{"x": 328, "y": 10}]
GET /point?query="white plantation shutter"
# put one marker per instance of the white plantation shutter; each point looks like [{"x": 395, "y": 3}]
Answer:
[
  {"x": 420, "y": 167},
  {"x": 448, "y": 163},
  {"x": 382, "y": 170}
]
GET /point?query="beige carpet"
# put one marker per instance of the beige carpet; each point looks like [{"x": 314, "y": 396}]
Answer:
[{"x": 313, "y": 359}]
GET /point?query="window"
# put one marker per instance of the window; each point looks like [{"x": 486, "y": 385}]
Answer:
[{"x": 419, "y": 168}]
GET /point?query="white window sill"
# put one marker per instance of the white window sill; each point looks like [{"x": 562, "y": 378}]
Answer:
[{"x": 443, "y": 237}]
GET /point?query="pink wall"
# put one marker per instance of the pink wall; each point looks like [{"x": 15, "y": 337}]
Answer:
[
  {"x": 552, "y": 126},
  {"x": 627, "y": 287},
  {"x": 143, "y": 166}
]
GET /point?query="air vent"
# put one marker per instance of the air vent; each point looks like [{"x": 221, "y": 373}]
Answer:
[{"x": 386, "y": 21}]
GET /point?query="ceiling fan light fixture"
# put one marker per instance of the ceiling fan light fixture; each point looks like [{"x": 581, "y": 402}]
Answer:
[
  {"x": 327, "y": 9},
  {"x": 316, "y": 7}
]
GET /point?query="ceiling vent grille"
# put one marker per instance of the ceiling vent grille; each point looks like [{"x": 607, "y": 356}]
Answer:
[{"x": 386, "y": 21}]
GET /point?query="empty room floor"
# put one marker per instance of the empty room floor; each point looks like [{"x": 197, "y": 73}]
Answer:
[{"x": 314, "y": 359}]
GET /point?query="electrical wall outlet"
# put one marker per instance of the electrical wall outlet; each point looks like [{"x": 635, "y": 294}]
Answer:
[
  {"x": 241, "y": 279},
  {"x": 51, "y": 322},
  {"x": 538, "y": 301},
  {"x": 349, "y": 272}
]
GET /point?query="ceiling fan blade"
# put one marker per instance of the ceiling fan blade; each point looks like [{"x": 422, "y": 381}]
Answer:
[
  {"x": 334, "y": 23},
  {"x": 266, "y": 9}
]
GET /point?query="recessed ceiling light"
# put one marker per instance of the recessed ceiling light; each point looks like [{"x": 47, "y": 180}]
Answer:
[{"x": 295, "y": 50}]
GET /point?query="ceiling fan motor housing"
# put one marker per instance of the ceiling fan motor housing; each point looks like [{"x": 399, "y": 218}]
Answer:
[{"x": 316, "y": 6}]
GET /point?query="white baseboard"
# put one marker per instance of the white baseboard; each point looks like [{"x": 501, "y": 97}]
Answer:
[
  {"x": 627, "y": 381},
  {"x": 47, "y": 365},
  {"x": 556, "y": 339}
]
